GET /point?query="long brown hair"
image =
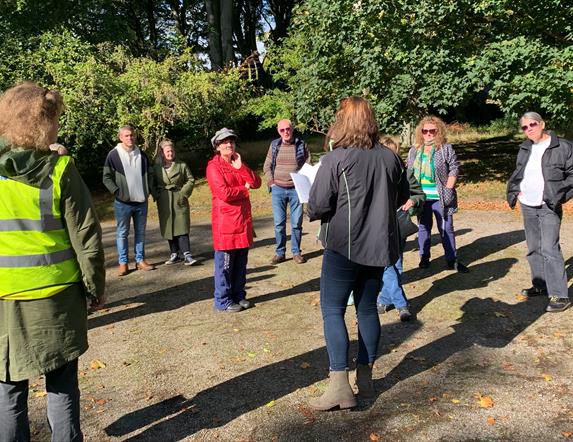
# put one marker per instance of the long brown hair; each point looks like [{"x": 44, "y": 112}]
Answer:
[
  {"x": 439, "y": 139},
  {"x": 28, "y": 113},
  {"x": 354, "y": 126}
]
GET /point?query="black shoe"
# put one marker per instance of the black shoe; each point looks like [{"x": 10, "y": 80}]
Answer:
[
  {"x": 382, "y": 308},
  {"x": 245, "y": 304},
  {"x": 558, "y": 304},
  {"x": 424, "y": 262},
  {"x": 458, "y": 266},
  {"x": 232, "y": 308},
  {"x": 405, "y": 314},
  {"x": 534, "y": 291}
]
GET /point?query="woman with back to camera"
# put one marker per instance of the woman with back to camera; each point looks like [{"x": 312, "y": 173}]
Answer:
[
  {"x": 436, "y": 167},
  {"x": 173, "y": 187},
  {"x": 542, "y": 182},
  {"x": 356, "y": 193},
  {"x": 230, "y": 181},
  {"x": 51, "y": 263}
]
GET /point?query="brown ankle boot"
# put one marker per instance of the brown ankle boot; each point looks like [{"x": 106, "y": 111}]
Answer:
[
  {"x": 338, "y": 394},
  {"x": 361, "y": 381}
]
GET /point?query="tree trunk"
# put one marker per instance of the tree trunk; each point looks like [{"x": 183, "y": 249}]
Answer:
[
  {"x": 214, "y": 23},
  {"x": 227, "y": 31}
]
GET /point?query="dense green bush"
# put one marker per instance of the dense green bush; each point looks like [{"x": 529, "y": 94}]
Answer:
[{"x": 104, "y": 87}]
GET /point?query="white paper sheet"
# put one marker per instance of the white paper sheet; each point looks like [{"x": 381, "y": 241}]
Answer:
[{"x": 303, "y": 180}]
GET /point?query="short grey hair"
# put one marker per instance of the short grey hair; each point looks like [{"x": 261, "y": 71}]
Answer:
[
  {"x": 532, "y": 116},
  {"x": 128, "y": 127}
]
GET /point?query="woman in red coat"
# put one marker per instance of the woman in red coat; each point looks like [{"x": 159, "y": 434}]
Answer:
[{"x": 230, "y": 181}]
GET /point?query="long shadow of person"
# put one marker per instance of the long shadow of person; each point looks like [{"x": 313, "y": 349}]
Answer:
[
  {"x": 481, "y": 276},
  {"x": 478, "y": 249},
  {"x": 178, "y": 417},
  {"x": 486, "y": 322}
]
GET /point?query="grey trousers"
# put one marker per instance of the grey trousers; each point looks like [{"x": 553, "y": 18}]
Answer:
[
  {"x": 544, "y": 255},
  {"x": 63, "y": 407}
]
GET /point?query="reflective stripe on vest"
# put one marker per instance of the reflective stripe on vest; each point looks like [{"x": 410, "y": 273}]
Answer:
[{"x": 36, "y": 258}]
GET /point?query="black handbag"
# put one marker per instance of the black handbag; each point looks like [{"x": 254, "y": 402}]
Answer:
[{"x": 406, "y": 226}]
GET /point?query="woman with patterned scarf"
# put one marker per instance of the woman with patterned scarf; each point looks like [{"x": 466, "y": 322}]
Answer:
[{"x": 436, "y": 166}]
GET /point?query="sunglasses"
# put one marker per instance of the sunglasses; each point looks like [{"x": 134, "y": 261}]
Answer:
[
  {"x": 286, "y": 129},
  {"x": 529, "y": 126},
  {"x": 430, "y": 131}
]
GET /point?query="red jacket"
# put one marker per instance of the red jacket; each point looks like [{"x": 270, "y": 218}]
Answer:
[{"x": 232, "y": 223}]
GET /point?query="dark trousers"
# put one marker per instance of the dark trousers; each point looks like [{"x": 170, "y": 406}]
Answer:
[
  {"x": 180, "y": 244},
  {"x": 230, "y": 277},
  {"x": 445, "y": 227},
  {"x": 338, "y": 278},
  {"x": 544, "y": 255},
  {"x": 63, "y": 407}
]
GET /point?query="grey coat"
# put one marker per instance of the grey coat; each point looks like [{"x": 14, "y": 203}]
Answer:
[{"x": 446, "y": 164}]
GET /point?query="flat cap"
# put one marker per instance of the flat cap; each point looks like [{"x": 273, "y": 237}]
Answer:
[{"x": 221, "y": 134}]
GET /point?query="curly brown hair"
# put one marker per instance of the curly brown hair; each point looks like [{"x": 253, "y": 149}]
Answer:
[
  {"x": 29, "y": 114},
  {"x": 354, "y": 126},
  {"x": 440, "y": 138}
]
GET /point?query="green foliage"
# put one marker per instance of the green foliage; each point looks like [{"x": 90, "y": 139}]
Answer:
[
  {"x": 271, "y": 107},
  {"x": 411, "y": 58},
  {"x": 105, "y": 87}
]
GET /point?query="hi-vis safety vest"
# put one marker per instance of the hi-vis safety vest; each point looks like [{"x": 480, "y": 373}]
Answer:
[{"x": 36, "y": 257}]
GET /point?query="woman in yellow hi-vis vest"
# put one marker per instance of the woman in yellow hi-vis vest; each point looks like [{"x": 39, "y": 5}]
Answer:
[{"x": 51, "y": 264}]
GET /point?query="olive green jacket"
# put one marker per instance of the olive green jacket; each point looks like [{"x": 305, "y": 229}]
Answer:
[
  {"x": 39, "y": 336},
  {"x": 171, "y": 191}
]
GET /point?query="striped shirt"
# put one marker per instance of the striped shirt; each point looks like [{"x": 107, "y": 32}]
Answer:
[{"x": 285, "y": 164}]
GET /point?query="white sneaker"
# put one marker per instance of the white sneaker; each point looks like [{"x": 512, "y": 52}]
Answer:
[
  {"x": 189, "y": 260},
  {"x": 173, "y": 259}
]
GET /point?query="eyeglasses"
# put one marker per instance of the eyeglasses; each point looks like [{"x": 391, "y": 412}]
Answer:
[
  {"x": 285, "y": 129},
  {"x": 529, "y": 126},
  {"x": 430, "y": 131}
]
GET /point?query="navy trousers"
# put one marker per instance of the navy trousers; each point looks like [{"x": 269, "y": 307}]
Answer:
[{"x": 230, "y": 276}]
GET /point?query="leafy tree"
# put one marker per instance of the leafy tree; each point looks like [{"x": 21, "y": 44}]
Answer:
[{"x": 410, "y": 58}]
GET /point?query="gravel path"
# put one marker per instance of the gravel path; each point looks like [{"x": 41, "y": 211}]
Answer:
[{"x": 477, "y": 364}]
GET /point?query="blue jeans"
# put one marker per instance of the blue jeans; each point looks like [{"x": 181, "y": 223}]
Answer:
[
  {"x": 123, "y": 215},
  {"x": 542, "y": 226},
  {"x": 63, "y": 407},
  {"x": 445, "y": 227},
  {"x": 392, "y": 292},
  {"x": 230, "y": 277},
  {"x": 338, "y": 278},
  {"x": 281, "y": 197}
]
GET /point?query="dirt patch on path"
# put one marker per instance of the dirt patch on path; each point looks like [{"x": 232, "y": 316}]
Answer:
[{"x": 176, "y": 370}]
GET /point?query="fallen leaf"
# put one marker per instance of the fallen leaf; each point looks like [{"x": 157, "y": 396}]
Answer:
[
  {"x": 96, "y": 364},
  {"x": 521, "y": 298},
  {"x": 271, "y": 404},
  {"x": 455, "y": 401},
  {"x": 508, "y": 366},
  {"x": 485, "y": 401},
  {"x": 101, "y": 402},
  {"x": 40, "y": 394},
  {"x": 374, "y": 437},
  {"x": 490, "y": 420},
  {"x": 500, "y": 315},
  {"x": 547, "y": 377},
  {"x": 235, "y": 330},
  {"x": 433, "y": 399},
  {"x": 315, "y": 302},
  {"x": 251, "y": 354},
  {"x": 559, "y": 334},
  {"x": 567, "y": 433},
  {"x": 305, "y": 365}
]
